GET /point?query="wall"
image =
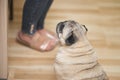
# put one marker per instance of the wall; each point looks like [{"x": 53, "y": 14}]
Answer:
[{"x": 3, "y": 38}]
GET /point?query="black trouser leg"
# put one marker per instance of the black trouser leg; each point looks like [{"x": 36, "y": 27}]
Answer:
[
  {"x": 42, "y": 18},
  {"x": 32, "y": 12}
]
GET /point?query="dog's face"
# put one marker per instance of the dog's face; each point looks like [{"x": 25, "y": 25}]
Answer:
[{"x": 69, "y": 32}]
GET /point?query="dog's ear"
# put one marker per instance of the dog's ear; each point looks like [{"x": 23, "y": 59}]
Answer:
[
  {"x": 59, "y": 28},
  {"x": 59, "y": 31},
  {"x": 84, "y": 29}
]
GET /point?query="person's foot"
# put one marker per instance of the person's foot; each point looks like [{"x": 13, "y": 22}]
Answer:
[
  {"x": 50, "y": 35},
  {"x": 42, "y": 40}
]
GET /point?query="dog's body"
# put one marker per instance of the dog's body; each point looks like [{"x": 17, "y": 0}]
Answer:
[{"x": 76, "y": 58}]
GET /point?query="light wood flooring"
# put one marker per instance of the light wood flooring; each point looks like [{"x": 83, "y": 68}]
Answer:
[{"x": 101, "y": 17}]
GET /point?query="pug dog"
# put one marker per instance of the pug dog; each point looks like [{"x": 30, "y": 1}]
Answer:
[{"x": 76, "y": 58}]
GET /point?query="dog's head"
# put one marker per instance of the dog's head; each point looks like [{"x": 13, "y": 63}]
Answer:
[{"x": 69, "y": 32}]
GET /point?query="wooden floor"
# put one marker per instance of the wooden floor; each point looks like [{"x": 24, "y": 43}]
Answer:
[{"x": 102, "y": 18}]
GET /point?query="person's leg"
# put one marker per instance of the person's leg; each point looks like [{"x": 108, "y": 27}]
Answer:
[
  {"x": 40, "y": 24},
  {"x": 32, "y": 12}
]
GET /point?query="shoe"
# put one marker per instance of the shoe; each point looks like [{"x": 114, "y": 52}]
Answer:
[{"x": 39, "y": 40}]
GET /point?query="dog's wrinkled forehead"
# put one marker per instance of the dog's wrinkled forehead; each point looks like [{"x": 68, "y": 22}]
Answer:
[
  {"x": 66, "y": 25},
  {"x": 69, "y": 26}
]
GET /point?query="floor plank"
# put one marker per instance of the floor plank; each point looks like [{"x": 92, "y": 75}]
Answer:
[{"x": 102, "y": 18}]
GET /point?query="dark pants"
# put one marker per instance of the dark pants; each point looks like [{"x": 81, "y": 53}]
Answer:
[{"x": 34, "y": 13}]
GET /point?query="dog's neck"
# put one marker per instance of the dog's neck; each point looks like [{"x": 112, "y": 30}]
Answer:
[{"x": 80, "y": 44}]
